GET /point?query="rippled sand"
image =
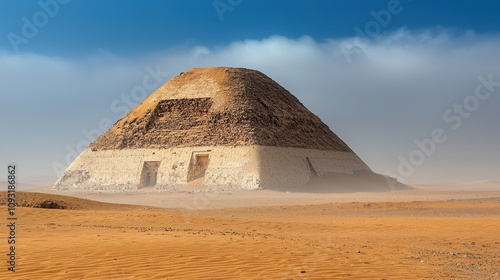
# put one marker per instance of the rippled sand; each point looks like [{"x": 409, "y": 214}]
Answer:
[{"x": 379, "y": 240}]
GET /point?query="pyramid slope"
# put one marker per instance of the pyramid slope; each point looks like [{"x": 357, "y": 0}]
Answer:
[
  {"x": 220, "y": 106},
  {"x": 235, "y": 128}
]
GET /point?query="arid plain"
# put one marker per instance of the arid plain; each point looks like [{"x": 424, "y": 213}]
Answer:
[{"x": 431, "y": 232}]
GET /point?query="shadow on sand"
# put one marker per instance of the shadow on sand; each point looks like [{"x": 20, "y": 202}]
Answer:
[{"x": 359, "y": 181}]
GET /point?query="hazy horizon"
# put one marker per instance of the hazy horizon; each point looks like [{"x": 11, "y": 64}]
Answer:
[{"x": 413, "y": 91}]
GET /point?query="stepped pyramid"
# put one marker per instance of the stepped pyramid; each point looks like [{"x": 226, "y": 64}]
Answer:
[{"x": 223, "y": 128}]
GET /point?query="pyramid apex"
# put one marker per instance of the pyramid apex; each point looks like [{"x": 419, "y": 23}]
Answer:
[{"x": 221, "y": 106}]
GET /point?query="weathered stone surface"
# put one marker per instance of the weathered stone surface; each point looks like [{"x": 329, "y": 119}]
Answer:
[
  {"x": 247, "y": 167},
  {"x": 221, "y": 107},
  {"x": 221, "y": 128}
]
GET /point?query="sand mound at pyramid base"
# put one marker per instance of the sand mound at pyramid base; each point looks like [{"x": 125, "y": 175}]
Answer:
[
  {"x": 54, "y": 201},
  {"x": 359, "y": 181}
]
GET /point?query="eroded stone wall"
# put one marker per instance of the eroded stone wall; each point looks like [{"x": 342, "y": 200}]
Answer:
[
  {"x": 220, "y": 107},
  {"x": 291, "y": 167},
  {"x": 244, "y": 167}
]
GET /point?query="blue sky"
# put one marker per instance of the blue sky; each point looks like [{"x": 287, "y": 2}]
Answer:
[
  {"x": 66, "y": 66},
  {"x": 132, "y": 27}
]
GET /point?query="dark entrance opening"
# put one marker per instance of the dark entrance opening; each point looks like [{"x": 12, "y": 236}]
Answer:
[
  {"x": 149, "y": 174},
  {"x": 198, "y": 167}
]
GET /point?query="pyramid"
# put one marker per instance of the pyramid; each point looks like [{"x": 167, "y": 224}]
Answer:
[{"x": 217, "y": 128}]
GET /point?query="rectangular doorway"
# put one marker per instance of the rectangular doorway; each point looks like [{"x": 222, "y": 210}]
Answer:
[
  {"x": 149, "y": 174},
  {"x": 198, "y": 167}
]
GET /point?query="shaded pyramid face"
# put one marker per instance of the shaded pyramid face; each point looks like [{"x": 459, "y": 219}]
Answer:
[{"x": 220, "y": 107}]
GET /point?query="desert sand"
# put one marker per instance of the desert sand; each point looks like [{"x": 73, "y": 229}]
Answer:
[{"x": 417, "y": 234}]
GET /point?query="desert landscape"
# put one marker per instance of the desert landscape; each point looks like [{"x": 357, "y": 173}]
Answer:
[
  {"x": 424, "y": 233},
  {"x": 232, "y": 139},
  {"x": 243, "y": 182}
]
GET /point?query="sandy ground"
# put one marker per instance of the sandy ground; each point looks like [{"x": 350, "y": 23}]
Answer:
[
  {"x": 418, "y": 234},
  {"x": 207, "y": 200}
]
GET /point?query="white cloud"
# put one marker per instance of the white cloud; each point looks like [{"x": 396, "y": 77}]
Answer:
[{"x": 394, "y": 92}]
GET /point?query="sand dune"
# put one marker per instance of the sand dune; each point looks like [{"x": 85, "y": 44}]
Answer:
[{"x": 379, "y": 240}]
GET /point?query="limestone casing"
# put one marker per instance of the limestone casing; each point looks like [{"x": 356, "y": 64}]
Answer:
[{"x": 240, "y": 167}]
